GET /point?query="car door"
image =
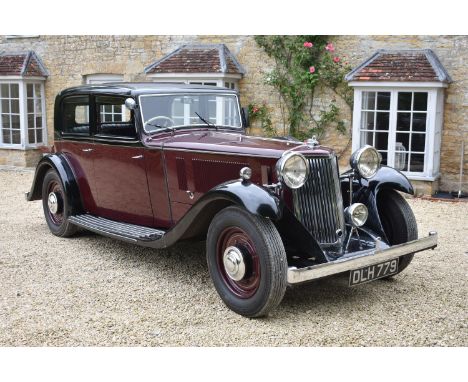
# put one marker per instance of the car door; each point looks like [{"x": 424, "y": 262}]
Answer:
[
  {"x": 75, "y": 141},
  {"x": 119, "y": 164}
]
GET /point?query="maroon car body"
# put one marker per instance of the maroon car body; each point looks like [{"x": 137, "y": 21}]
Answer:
[{"x": 117, "y": 172}]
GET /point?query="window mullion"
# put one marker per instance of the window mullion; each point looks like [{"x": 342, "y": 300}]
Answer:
[
  {"x": 357, "y": 120},
  {"x": 23, "y": 110},
  {"x": 392, "y": 128}
]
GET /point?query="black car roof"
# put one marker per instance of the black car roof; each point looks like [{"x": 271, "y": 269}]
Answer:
[{"x": 137, "y": 88}]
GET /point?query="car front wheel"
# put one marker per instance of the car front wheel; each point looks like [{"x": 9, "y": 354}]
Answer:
[
  {"x": 247, "y": 261},
  {"x": 398, "y": 222},
  {"x": 55, "y": 205}
]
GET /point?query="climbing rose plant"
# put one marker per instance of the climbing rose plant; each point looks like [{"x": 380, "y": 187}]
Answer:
[{"x": 303, "y": 63}]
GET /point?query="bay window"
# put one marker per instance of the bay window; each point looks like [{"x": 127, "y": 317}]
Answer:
[
  {"x": 22, "y": 114},
  {"x": 404, "y": 124}
]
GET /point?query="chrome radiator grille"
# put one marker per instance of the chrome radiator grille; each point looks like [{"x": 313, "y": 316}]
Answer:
[{"x": 319, "y": 204}]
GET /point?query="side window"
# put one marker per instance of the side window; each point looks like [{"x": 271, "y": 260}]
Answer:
[
  {"x": 75, "y": 114},
  {"x": 113, "y": 118}
]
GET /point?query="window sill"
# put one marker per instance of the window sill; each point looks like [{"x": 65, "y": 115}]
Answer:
[
  {"x": 424, "y": 178},
  {"x": 19, "y": 147}
]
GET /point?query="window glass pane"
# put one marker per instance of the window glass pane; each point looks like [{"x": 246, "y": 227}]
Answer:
[
  {"x": 419, "y": 121},
  {"x": 5, "y": 91},
  {"x": 402, "y": 141},
  {"x": 384, "y": 157},
  {"x": 5, "y": 121},
  {"x": 368, "y": 100},
  {"x": 381, "y": 141},
  {"x": 31, "y": 136},
  {"x": 75, "y": 114},
  {"x": 29, "y": 90},
  {"x": 111, "y": 121},
  {"x": 401, "y": 158},
  {"x": 5, "y": 106},
  {"x": 417, "y": 163},
  {"x": 14, "y": 106},
  {"x": 15, "y": 122},
  {"x": 420, "y": 101},
  {"x": 367, "y": 138},
  {"x": 15, "y": 137},
  {"x": 30, "y": 105},
  {"x": 210, "y": 83},
  {"x": 367, "y": 120},
  {"x": 38, "y": 122},
  {"x": 37, "y": 91},
  {"x": 14, "y": 91},
  {"x": 418, "y": 142},
  {"x": 383, "y": 101},
  {"x": 37, "y": 106},
  {"x": 403, "y": 121},
  {"x": 382, "y": 121},
  {"x": 38, "y": 135},
  {"x": 404, "y": 100},
  {"x": 31, "y": 121},
  {"x": 6, "y": 135}
]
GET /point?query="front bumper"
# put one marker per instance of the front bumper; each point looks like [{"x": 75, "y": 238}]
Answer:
[{"x": 361, "y": 259}]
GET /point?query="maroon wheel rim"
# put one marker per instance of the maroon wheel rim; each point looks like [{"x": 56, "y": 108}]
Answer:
[
  {"x": 56, "y": 188},
  {"x": 249, "y": 284}
]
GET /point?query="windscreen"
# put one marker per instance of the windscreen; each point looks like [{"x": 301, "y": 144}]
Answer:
[{"x": 182, "y": 110}]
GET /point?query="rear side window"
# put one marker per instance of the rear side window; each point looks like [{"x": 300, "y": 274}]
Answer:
[
  {"x": 75, "y": 113},
  {"x": 113, "y": 118}
]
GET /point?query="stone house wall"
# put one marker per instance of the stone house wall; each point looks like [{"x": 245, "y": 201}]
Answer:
[{"x": 69, "y": 58}]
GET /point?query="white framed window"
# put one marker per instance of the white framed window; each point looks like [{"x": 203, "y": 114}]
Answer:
[
  {"x": 230, "y": 81},
  {"x": 22, "y": 113},
  {"x": 403, "y": 122}
]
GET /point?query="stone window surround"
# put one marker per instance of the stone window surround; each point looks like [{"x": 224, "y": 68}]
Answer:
[
  {"x": 435, "y": 106},
  {"x": 22, "y": 82}
]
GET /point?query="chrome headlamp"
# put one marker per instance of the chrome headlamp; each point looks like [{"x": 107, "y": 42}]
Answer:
[
  {"x": 292, "y": 169},
  {"x": 366, "y": 161}
]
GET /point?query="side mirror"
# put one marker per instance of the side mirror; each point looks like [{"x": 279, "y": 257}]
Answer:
[
  {"x": 245, "y": 117},
  {"x": 130, "y": 104}
]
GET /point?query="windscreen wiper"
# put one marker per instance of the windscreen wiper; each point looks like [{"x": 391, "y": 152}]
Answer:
[
  {"x": 161, "y": 128},
  {"x": 205, "y": 121}
]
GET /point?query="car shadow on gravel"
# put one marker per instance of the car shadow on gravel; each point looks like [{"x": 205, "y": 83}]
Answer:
[{"x": 185, "y": 262}]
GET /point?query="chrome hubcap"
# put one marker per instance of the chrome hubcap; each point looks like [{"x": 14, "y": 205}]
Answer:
[
  {"x": 52, "y": 203},
  {"x": 234, "y": 263}
]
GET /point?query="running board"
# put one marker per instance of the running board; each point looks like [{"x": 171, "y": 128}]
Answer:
[{"x": 123, "y": 231}]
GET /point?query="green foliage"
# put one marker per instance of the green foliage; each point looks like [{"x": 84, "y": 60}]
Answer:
[
  {"x": 301, "y": 64},
  {"x": 260, "y": 113}
]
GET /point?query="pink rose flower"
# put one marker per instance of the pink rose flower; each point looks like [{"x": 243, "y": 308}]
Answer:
[
  {"x": 312, "y": 69},
  {"x": 336, "y": 59},
  {"x": 330, "y": 47},
  {"x": 308, "y": 44},
  {"x": 255, "y": 109}
]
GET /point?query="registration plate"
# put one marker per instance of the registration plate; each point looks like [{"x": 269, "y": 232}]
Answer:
[{"x": 373, "y": 272}]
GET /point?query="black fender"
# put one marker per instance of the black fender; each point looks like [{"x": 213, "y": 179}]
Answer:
[
  {"x": 59, "y": 163},
  {"x": 195, "y": 223},
  {"x": 366, "y": 191}
]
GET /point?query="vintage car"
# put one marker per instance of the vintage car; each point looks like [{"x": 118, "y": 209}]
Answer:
[{"x": 154, "y": 164}]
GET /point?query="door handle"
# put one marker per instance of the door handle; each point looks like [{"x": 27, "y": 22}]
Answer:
[
  {"x": 86, "y": 150},
  {"x": 137, "y": 157}
]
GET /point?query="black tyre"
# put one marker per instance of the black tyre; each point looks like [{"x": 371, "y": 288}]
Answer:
[
  {"x": 55, "y": 205},
  {"x": 247, "y": 261},
  {"x": 398, "y": 222}
]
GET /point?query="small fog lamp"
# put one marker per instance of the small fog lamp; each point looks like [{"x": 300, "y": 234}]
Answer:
[{"x": 356, "y": 214}]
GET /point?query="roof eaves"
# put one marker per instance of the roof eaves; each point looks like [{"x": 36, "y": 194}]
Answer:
[
  {"x": 240, "y": 68},
  {"x": 222, "y": 58},
  {"x": 438, "y": 67}
]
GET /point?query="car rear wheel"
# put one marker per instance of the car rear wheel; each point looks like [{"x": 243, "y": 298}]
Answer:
[
  {"x": 398, "y": 222},
  {"x": 55, "y": 205},
  {"x": 247, "y": 261}
]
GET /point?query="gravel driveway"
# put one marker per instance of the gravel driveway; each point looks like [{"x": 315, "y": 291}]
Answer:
[{"x": 91, "y": 290}]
